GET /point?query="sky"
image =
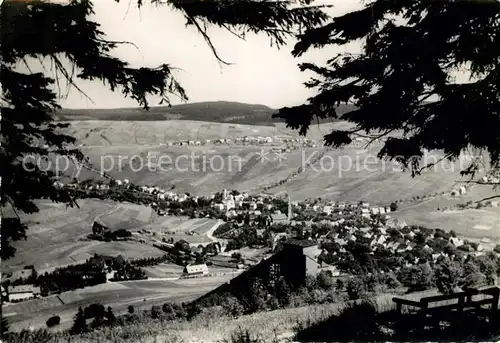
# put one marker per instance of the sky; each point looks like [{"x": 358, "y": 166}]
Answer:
[{"x": 260, "y": 74}]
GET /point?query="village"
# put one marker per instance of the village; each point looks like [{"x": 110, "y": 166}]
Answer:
[{"x": 330, "y": 233}]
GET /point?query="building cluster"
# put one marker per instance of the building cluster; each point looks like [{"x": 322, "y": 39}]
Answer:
[
  {"x": 341, "y": 208},
  {"x": 395, "y": 238},
  {"x": 248, "y": 140}
]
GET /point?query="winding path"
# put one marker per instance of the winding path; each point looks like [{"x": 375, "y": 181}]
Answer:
[{"x": 210, "y": 233}]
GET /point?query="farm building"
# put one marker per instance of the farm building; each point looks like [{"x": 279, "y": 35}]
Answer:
[
  {"x": 20, "y": 293},
  {"x": 99, "y": 229},
  {"x": 196, "y": 269}
]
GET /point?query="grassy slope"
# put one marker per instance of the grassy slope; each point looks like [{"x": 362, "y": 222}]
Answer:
[
  {"x": 272, "y": 326},
  {"x": 119, "y": 295},
  {"x": 57, "y": 235}
]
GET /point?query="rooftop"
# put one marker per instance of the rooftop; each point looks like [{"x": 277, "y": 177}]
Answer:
[
  {"x": 196, "y": 268},
  {"x": 303, "y": 243},
  {"x": 23, "y": 289}
]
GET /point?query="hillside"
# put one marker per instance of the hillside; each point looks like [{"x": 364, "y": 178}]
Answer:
[{"x": 216, "y": 111}]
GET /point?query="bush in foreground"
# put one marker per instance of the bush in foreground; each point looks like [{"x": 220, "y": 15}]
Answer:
[{"x": 53, "y": 321}]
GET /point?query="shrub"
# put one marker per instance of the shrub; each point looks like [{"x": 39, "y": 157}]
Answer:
[
  {"x": 53, "y": 321},
  {"x": 359, "y": 320},
  {"x": 243, "y": 336},
  {"x": 94, "y": 310},
  {"x": 79, "y": 323},
  {"x": 233, "y": 306},
  {"x": 324, "y": 280},
  {"x": 339, "y": 286},
  {"x": 355, "y": 289},
  {"x": 447, "y": 275},
  {"x": 155, "y": 312}
]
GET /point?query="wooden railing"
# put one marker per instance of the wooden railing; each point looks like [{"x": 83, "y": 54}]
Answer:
[{"x": 460, "y": 302}]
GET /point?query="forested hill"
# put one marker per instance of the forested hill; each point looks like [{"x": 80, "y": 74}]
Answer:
[{"x": 216, "y": 111}]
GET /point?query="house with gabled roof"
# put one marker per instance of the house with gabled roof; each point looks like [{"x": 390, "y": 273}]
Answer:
[{"x": 196, "y": 269}]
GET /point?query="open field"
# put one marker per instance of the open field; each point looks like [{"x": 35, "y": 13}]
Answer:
[
  {"x": 141, "y": 294},
  {"x": 439, "y": 212},
  {"x": 469, "y": 223},
  {"x": 348, "y": 174},
  {"x": 57, "y": 236},
  {"x": 163, "y": 270}
]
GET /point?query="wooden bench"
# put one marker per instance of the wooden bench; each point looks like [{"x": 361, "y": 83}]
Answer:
[{"x": 464, "y": 301}]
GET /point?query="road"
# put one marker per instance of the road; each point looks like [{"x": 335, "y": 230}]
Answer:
[{"x": 210, "y": 233}]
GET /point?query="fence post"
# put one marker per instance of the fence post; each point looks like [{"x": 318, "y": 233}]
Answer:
[
  {"x": 494, "y": 302},
  {"x": 461, "y": 302},
  {"x": 399, "y": 307},
  {"x": 424, "y": 305}
]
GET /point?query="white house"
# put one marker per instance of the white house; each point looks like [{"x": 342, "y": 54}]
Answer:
[{"x": 196, "y": 269}]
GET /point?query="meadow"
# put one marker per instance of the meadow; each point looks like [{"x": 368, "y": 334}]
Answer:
[
  {"x": 57, "y": 235},
  {"x": 119, "y": 295}
]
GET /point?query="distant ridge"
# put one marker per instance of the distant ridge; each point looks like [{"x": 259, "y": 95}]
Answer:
[{"x": 210, "y": 111}]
